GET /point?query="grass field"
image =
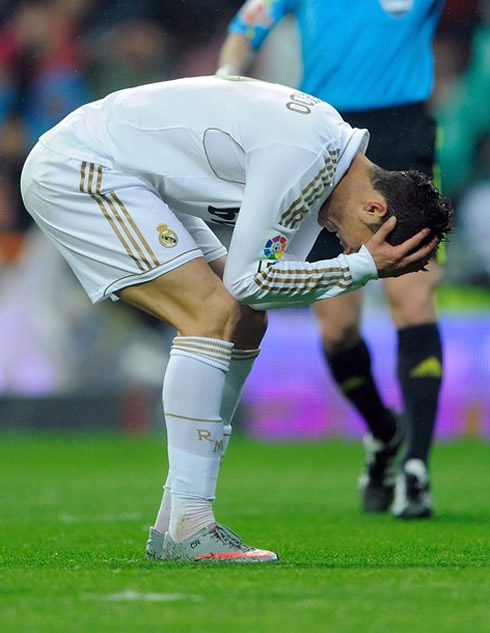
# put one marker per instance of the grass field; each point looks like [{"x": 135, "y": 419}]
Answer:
[{"x": 75, "y": 511}]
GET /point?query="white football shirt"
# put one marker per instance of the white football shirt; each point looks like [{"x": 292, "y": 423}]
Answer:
[{"x": 259, "y": 157}]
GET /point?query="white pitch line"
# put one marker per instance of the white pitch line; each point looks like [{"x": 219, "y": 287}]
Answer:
[{"x": 129, "y": 595}]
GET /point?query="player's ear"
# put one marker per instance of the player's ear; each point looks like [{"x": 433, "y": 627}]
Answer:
[{"x": 375, "y": 209}]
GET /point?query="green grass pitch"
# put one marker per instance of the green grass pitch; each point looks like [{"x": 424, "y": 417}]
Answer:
[{"x": 75, "y": 512}]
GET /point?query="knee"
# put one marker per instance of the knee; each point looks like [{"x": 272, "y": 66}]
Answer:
[
  {"x": 216, "y": 316},
  {"x": 339, "y": 323},
  {"x": 412, "y": 297},
  {"x": 338, "y": 337},
  {"x": 413, "y": 308},
  {"x": 220, "y": 317},
  {"x": 257, "y": 320},
  {"x": 251, "y": 328}
]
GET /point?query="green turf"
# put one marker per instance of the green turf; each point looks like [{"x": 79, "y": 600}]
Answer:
[
  {"x": 75, "y": 512},
  {"x": 463, "y": 299}
]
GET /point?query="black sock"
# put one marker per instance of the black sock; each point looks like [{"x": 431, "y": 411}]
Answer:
[
  {"x": 351, "y": 370},
  {"x": 420, "y": 376}
]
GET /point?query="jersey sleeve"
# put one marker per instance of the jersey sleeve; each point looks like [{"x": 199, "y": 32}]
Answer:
[
  {"x": 257, "y": 18},
  {"x": 263, "y": 267}
]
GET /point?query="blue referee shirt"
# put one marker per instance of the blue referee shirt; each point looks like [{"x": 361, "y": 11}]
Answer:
[{"x": 356, "y": 54}]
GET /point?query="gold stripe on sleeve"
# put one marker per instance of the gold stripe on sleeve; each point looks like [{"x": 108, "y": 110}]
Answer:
[
  {"x": 289, "y": 281},
  {"x": 312, "y": 192}
]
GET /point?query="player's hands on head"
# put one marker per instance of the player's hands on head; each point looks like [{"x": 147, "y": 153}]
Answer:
[{"x": 407, "y": 257}]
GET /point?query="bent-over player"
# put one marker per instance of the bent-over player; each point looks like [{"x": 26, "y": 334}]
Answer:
[{"x": 125, "y": 188}]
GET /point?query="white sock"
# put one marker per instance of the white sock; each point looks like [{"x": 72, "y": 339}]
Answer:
[
  {"x": 240, "y": 367},
  {"x": 163, "y": 517},
  {"x": 192, "y": 395},
  {"x": 241, "y": 364}
]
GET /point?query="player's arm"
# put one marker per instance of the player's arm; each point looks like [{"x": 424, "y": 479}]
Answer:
[
  {"x": 276, "y": 227},
  {"x": 261, "y": 269},
  {"x": 247, "y": 32},
  {"x": 236, "y": 55}
]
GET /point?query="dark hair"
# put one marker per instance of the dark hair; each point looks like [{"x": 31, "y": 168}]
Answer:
[{"x": 412, "y": 197}]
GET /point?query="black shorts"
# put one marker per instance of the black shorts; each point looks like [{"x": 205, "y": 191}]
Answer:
[{"x": 402, "y": 138}]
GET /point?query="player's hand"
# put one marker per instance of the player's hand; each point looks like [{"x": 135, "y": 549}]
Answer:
[{"x": 393, "y": 261}]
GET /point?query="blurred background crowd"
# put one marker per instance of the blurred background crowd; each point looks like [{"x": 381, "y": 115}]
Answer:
[{"x": 58, "y": 54}]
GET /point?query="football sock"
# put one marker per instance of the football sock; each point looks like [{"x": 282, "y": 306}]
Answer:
[
  {"x": 351, "y": 370},
  {"x": 192, "y": 396},
  {"x": 241, "y": 364},
  {"x": 420, "y": 377},
  {"x": 240, "y": 367},
  {"x": 163, "y": 517}
]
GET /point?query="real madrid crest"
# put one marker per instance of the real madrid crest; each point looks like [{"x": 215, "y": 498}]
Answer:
[{"x": 167, "y": 237}]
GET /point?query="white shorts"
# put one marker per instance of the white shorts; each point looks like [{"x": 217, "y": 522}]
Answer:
[{"x": 113, "y": 229}]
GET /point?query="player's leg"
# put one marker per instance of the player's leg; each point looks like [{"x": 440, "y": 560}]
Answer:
[
  {"x": 411, "y": 300},
  {"x": 346, "y": 352},
  {"x": 248, "y": 333},
  {"x": 349, "y": 360},
  {"x": 403, "y": 137},
  {"x": 350, "y": 364},
  {"x": 247, "y": 337},
  {"x": 193, "y": 300}
]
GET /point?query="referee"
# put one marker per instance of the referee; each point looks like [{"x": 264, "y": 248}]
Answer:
[{"x": 373, "y": 61}]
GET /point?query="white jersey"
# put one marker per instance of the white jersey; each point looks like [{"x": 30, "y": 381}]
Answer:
[{"x": 259, "y": 157}]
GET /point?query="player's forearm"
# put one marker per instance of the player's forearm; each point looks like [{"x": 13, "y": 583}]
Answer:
[
  {"x": 288, "y": 283},
  {"x": 236, "y": 55}
]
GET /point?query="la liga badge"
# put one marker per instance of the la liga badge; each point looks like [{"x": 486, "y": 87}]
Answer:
[{"x": 275, "y": 247}]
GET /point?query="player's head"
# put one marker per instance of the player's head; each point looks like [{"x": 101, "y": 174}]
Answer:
[
  {"x": 414, "y": 200},
  {"x": 366, "y": 196}
]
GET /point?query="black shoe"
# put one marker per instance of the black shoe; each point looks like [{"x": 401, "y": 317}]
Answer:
[
  {"x": 377, "y": 480},
  {"x": 413, "y": 499}
]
